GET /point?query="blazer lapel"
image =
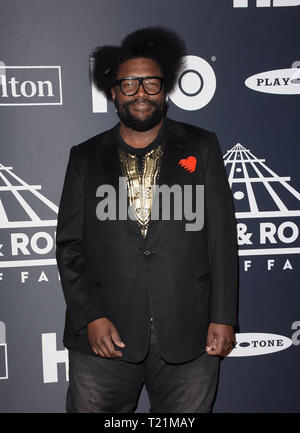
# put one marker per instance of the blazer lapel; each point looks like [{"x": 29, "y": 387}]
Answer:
[
  {"x": 173, "y": 152},
  {"x": 110, "y": 158},
  {"x": 113, "y": 169}
]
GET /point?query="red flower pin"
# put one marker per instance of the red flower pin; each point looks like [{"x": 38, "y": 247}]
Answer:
[{"x": 188, "y": 163}]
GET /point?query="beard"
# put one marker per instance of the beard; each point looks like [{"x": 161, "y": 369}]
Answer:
[{"x": 137, "y": 124}]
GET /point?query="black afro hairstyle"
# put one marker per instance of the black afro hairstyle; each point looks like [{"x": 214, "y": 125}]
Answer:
[{"x": 162, "y": 45}]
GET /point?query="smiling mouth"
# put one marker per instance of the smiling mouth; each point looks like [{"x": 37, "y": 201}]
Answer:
[{"x": 141, "y": 104}]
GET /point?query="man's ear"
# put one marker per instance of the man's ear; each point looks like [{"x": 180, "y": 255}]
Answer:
[{"x": 113, "y": 93}]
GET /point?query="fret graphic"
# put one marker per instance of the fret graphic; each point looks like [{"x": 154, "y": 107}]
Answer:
[
  {"x": 22, "y": 209},
  {"x": 246, "y": 171},
  {"x": 13, "y": 187},
  {"x": 259, "y": 193}
]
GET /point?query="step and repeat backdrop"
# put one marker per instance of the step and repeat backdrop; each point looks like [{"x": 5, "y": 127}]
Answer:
[{"x": 242, "y": 81}]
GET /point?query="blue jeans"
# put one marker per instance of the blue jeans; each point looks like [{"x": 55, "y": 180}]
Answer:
[{"x": 105, "y": 385}]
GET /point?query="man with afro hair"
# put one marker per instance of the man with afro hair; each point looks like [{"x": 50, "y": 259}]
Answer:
[{"x": 149, "y": 302}]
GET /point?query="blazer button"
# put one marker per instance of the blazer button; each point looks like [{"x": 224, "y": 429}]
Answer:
[{"x": 147, "y": 252}]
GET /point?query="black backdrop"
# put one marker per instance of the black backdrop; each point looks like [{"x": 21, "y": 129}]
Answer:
[{"x": 47, "y": 105}]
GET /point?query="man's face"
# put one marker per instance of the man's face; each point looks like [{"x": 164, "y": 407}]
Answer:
[{"x": 141, "y": 111}]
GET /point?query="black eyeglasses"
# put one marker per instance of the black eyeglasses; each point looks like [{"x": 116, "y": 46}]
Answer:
[{"x": 130, "y": 85}]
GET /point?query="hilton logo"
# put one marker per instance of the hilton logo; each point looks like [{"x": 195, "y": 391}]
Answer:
[{"x": 30, "y": 85}]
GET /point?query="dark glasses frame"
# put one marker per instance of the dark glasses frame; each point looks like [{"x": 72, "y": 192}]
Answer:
[{"x": 141, "y": 82}]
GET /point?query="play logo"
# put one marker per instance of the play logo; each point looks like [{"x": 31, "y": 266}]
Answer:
[{"x": 279, "y": 81}]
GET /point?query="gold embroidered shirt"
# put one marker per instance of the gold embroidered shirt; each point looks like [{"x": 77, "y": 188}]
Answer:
[{"x": 141, "y": 168}]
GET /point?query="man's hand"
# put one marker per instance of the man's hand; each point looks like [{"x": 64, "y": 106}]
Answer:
[
  {"x": 220, "y": 339},
  {"x": 101, "y": 334}
]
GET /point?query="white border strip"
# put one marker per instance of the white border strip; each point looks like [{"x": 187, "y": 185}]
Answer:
[
  {"x": 269, "y": 251},
  {"x": 21, "y": 263},
  {"x": 6, "y": 366}
]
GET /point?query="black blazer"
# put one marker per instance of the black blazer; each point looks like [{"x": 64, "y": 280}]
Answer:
[{"x": 189, "y": 278}]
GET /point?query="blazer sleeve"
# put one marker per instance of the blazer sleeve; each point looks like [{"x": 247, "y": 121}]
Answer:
[
  {"x": 222, "y": 239},
  {"x": 78, "y": 288}
]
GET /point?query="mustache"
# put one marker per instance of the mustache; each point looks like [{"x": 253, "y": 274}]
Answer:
[{"x": 137, "y": 100}]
